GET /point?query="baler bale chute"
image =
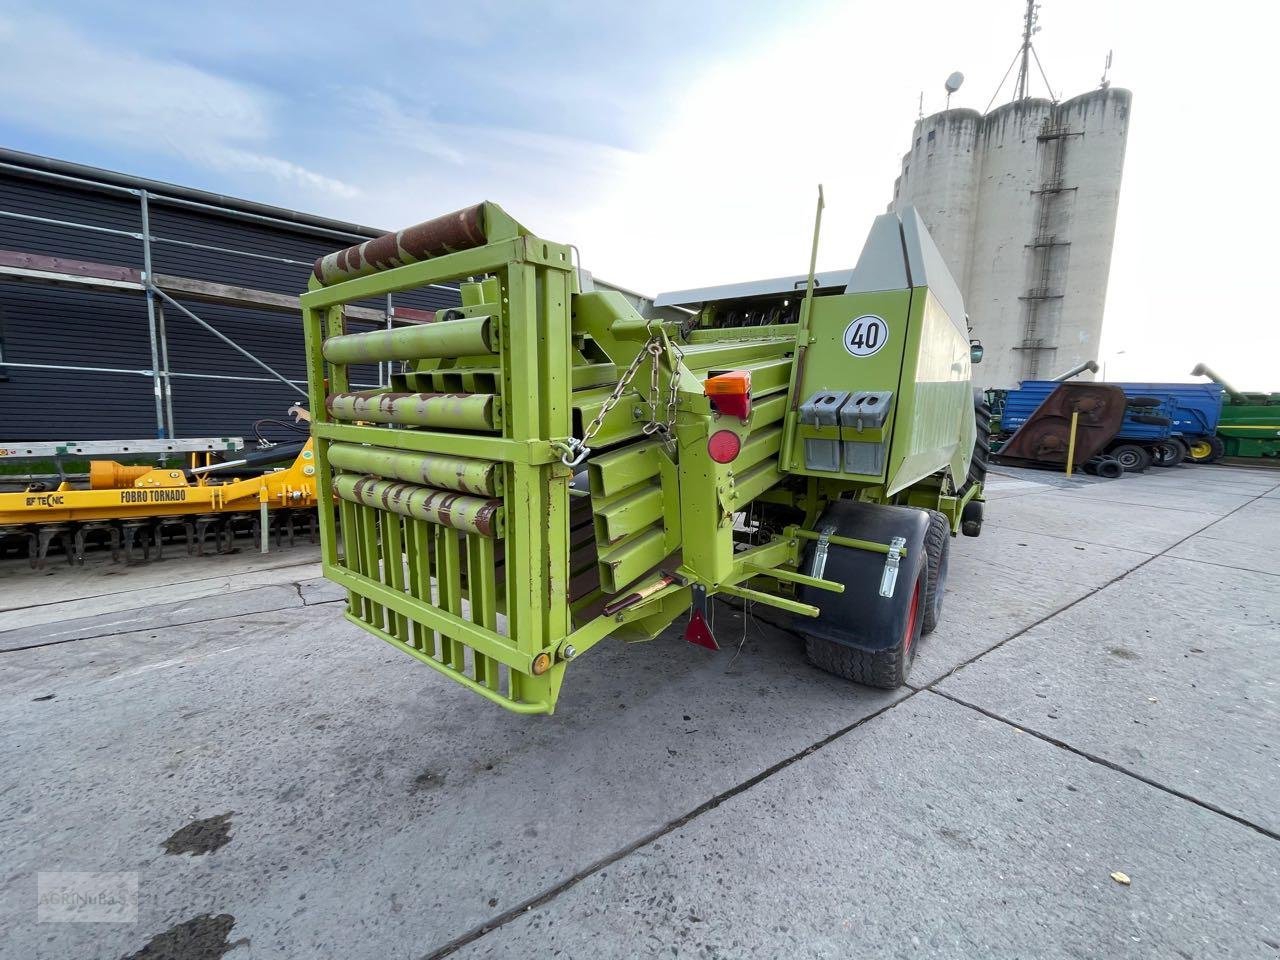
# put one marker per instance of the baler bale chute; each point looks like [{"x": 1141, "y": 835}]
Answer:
[{"x": 549, "y": 468}]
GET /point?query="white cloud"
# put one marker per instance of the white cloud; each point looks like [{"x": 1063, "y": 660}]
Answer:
[{"x": 59, "y": 81}]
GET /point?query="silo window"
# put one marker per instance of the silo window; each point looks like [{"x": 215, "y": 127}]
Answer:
[
  {"x": 932, "y": 136},
  {"x": 917, "y": 143}
]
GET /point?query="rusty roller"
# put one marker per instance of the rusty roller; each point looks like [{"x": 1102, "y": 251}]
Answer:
[
  {"x": 468, "y": 337},
  {"x": 443, "y": 507},
  {"x": 460, "y": 230},
  {"x": 454, "y": 411},
  {"x": 463, "y": 474}
]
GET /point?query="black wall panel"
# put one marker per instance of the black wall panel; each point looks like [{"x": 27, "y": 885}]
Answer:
[{"x": 75, "y": 327}]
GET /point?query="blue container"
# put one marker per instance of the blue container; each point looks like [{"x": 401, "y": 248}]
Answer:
[{"x": 1192, "y": 409}]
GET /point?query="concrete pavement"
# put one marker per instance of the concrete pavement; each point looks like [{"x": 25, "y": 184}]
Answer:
[{"x": 1099, "y": 697}]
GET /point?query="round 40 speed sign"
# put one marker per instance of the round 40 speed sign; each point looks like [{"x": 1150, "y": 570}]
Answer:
[{"x": 865, "y": 335}]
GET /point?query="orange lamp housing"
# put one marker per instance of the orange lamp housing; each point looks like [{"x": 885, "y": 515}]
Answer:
[{"x": 730, "y": 393}]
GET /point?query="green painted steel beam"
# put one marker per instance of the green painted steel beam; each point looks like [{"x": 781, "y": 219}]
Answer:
[
  {"x": 537, "y": 707},
  {"x": 611, "y": 473},
  {"x": 839, "y": 541},
  {"x": 628, "y": 513},
  {"x": 790, "y": 576},
  {"x": 488, "y": 642},
  {"x": 769, "y": 600},
  {"x": 463, "y": 445},
  {"x": 621, "y": 565}
]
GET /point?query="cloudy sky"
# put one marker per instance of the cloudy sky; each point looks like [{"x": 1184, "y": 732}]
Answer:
[{"x": 676, "y": 143}]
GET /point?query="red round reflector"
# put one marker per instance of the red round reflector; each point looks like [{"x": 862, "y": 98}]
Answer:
[{"x": 724, "y": 446}]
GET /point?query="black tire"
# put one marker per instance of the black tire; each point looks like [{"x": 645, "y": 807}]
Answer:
[
  {"x": 1109, "y": 468},
  {"x": 1206, "y": 450},
  {"x": 937, "y": 553},
  {"x": 981, "y": 443},
  {"x": 1168, "y": 453},
  {"x": 971, "y": 519},
  {"x": 1132, "y": 457},
  {"x": 886, "y": 669},
  {"x": 1152, "y": 419},
  {"x": 1143, "y": 401}
]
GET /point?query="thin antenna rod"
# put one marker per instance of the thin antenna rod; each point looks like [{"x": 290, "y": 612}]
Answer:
[
  {"x": 1001, "y": 86},
  {"x": 1024, "y": 72},
  {"x": 1043, "y": 76}
]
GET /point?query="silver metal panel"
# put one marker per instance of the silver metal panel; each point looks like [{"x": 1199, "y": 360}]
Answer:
[
  {"x": 928, "y": 269},
  {"x": 98, "y": 448},
  {"x": 752, "y": 288},
  {"x": 882, "y": 264}
]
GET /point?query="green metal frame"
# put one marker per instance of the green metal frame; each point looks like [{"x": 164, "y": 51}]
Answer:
[{"x": 660, "y": 514}]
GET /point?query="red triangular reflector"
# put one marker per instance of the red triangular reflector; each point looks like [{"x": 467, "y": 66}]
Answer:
[{"x": 698, "y": 632}]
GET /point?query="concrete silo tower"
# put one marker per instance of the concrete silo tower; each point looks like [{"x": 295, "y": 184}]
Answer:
[{"x": 1022, "y": 203}]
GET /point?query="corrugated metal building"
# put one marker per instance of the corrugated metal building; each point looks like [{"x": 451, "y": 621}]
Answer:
[{"x": 51, "y": 209}]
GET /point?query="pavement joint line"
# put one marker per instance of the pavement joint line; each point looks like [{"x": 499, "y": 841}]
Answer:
[
  {"x": 1148, "y": 506},
  {"x": 551, "y": 893},
  {"x": 1225, "y": 566},
  {"x": 167, "y": 626},
  {"x": 1110, "y": 765},
  {"x": 1080, "y": 599},
  {"x": 1091, "y": 543},
  {"x": 116, "y": 593}
]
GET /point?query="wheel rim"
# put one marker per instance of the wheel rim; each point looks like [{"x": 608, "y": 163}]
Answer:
[
  {"x": 1200, "y": 449},
  {"x": 1128, "y": 459},
  {"x": 913, "y": 615}
]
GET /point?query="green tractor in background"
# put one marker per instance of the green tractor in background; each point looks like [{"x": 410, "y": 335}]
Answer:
[{"x": 1250, "y": 422}]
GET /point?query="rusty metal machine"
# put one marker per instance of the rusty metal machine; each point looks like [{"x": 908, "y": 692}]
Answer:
[{"x": 549, "y": 468}]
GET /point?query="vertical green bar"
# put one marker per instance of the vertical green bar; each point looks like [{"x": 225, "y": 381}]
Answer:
[
  {"x": 449, "y": 582},
  {"x": 482, "y": 595},
  {"x": 393, "y": 569},
  {"x": 351, "y": 555},
  {"x": 414, "y": 585},
  {"x": 313, "y": 326},
  {"x": 536, "y": 355},
  {"x": 556, "y": 358},
  {"x": 423, "y": 546},
  {"x": 367, "y": 518},
  {"x": 524, "y": 400}
]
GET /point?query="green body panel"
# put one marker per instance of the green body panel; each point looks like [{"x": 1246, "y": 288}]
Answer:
[
  {"x": 924, "y": 362},
  {"x": 1250, "y": 426},
  {"x": 461, "y": 544}
]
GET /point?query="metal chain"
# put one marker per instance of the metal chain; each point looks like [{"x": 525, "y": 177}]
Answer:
[
  {"x": 575, "y": 451},
  {"x": 654, "y": 349},
  {"x": 673, "y": 390}
]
